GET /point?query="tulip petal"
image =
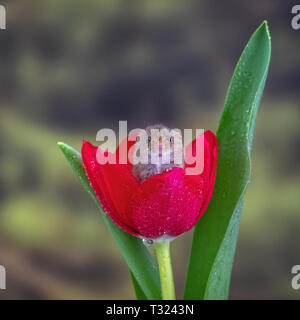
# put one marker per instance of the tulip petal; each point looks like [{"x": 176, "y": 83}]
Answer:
[
  {"x": 124, "y": 152},
  {"x": 211, "y": 154},
  {"x": 113, "y": 184},
  {"x": 209, "y": 170},
  {"x": 166, "y": 203}
]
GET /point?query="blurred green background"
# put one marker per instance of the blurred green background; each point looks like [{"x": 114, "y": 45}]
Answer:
[{"x": 69, "y": 68}]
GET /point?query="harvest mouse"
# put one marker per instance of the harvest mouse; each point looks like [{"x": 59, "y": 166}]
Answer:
[{"x": 166, "y": 141}]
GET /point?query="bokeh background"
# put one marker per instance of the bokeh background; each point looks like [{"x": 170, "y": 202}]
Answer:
[{"x": 69, "y": 68}]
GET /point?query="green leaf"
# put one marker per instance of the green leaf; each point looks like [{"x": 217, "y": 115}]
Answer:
[
  {"x": 140, "y": 295},
  {"x": 136, "y": 255},
  {"x": 216, "y": 233}
]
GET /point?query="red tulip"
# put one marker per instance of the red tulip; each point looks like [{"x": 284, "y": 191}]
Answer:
[{"x": 166, "y": 204}]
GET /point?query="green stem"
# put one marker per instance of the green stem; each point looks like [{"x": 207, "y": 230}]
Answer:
[{"x": 165, "y": 269}]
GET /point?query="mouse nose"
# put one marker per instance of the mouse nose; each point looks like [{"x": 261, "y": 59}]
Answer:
[{"x": 162, "y": 146}]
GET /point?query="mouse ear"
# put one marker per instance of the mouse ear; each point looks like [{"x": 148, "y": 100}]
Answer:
[{"x": 156, "y": 126}]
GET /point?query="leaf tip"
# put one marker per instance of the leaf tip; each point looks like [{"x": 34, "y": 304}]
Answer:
[
  {"x": 265, "y": 27},
  {"x": 61, "y": 146}
]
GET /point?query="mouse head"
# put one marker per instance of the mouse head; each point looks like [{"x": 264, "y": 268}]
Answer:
[{"x": 161, "y": 140}]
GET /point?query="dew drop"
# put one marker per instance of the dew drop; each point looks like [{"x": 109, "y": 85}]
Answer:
[{"x": 147, "y": 242}]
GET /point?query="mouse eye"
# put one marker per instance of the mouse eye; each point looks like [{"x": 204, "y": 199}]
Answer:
[
  {"x": 149, "y": 139},
  {"x": 171, "y": 139}
]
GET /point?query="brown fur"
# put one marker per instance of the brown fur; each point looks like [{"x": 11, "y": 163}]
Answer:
[{"x": 144, "y": 171}]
